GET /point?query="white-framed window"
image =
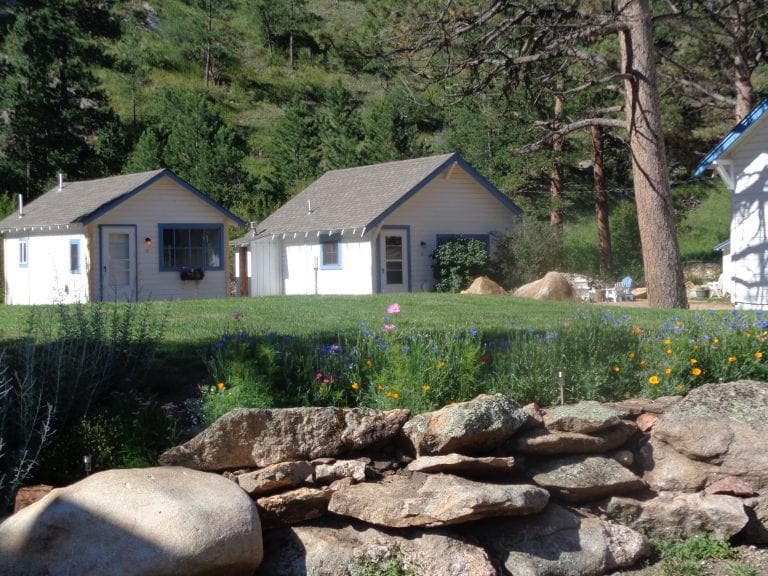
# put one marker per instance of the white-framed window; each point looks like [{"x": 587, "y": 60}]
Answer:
[
  {"x": 330, "y": 252},
  {"x": 23, "y": 253},
  {"x": 74, "y": 256}
]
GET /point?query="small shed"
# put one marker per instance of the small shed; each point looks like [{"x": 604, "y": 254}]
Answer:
[
  {"x": 741, "y": 160},
  {"x": 144, "y": 236},
  {"x": 371, "y": 229}
]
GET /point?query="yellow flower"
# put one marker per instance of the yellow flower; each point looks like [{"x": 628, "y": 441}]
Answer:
[
  {"x": 637, "y": 330},
  {"x": 643, "y": 362},
  {"x": 425, "y": 388},
  {"x": 667, "y": 342},
  {"x": 631, "y": 355},
  {"x": 379, "y": 387},
  {"x": 668, "y": 351},
  {"x": 617, "y": 369},
  {"x": 695, "y": 346},
  {"x": 694, "y": 361},
  {"x": 389, "y": 394},
  {"x": 355, "y": 386},
  {"x": 369, "y": 362},
  {"x": 441, "y": 364},
  {"x": 668, "y": 371},
  {"x": 395, "y": 395},
  {"x": 758, "y": 354},
  {"x": 680, "y": 387},
  {"x": 653, "y": 380},
  {"x": 716, "y": 340},
  {"x": 696, "y": 371},
  {"x": 731, "y": 358},
  {"x": 220, "y": 385}
]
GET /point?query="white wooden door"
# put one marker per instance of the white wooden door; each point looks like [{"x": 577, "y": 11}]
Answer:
[
  {"x": 394, "y": 260},
  {"x": 118, "y": 266}
]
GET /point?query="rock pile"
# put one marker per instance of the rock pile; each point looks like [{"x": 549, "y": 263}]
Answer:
[{"x": 484, "y": 487}]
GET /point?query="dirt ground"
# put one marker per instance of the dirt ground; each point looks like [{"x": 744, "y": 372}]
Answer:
[{"x": 693, "y": 304}]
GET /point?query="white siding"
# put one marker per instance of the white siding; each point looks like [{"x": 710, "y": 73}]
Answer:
[
  {"x": 264, "y": 262},
  {"x": 165, "y": 202},
  {"x": 47, "y": 277},
  {"x": 452, "y": 203},
  {"x": 749, "y": 222},
  {"x": 300, "y": 261}
]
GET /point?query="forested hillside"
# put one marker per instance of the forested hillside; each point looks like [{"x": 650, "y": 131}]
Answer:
[{"x": 249, "y": 100}]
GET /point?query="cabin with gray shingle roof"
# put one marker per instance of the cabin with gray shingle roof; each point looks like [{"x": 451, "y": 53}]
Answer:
[
  {"x": 145, "y": 236},
  {"x": 370, "y": 229},
  {"x": 741, "y": 161}
]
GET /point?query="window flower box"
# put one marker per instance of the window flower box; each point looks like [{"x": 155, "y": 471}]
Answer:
[{"x": 192, "y": 273}]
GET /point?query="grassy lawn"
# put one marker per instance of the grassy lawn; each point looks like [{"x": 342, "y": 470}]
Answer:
[{"x": 193, "y": 322}]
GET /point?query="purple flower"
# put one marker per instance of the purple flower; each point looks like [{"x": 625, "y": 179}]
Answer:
[
  {"x": 393, "y": 308},
  {"x": 237, "y": 315}
]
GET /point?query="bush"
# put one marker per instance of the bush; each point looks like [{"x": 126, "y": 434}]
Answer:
[
  {"x": 457, "y": 262},
  {"x": 72, "y": 360},
  {"x": 527, "y": 252}
]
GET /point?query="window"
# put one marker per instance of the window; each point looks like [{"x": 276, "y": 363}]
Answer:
[
  {"x": 23, "y": 253},
  {"x": 331, "y": 255},
  {"x": 74, "y": 256},
  {"x": 191, "y": 246}
]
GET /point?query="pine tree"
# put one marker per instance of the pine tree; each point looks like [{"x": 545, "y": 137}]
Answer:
[
  {"x": 295, "y": 148},
  {"x": 340, "y": 129},
  {"x": 55, "y": 104}
]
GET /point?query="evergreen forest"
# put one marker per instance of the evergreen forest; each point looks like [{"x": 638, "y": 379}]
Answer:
[{"x": 251, "y": 100}]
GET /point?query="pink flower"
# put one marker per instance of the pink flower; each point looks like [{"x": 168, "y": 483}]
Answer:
[
  {"x": 319, "y": 376},
  {"x": 237, "y": 315},
  {"x": 389, "y": 327},
  {"x": 393, "y": 308}
]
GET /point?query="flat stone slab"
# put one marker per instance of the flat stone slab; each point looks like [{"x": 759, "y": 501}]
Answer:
[
  {"x": 460, "y": 464},
  {"x": 543, "y": 442},
  {"x": 255, "y": 438},
  {"x": 275, "y": 477},
  {"x": 419, "y": 499},
  {"x": 584, "y": 478},
  {"x": 584, "y": 417}
]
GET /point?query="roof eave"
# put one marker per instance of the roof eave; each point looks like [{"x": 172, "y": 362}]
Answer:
[{"x": 731, "y": 138}]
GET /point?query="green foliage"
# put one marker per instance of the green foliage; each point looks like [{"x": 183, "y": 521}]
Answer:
[
  {"x": 527, "y": 252},
  {"x": 294, "y": 151},
  {"x": 52, "y": 47},
  {"x": 687, "y": 558},
  {"x": 340, "y": 129},
  {"x": 186, "y": 133},
  {"x": 457, "y": 262},
  {"x": 389, "y": 566},
  {"x": 70, "y": 361}
]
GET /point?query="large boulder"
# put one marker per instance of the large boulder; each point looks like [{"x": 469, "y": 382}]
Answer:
[
  {"x": 560, "y": 542},
  {"x": 152, "y": 521},
  {"x": 679, "y": 515},
  {"x": 476, "y": 426},
  {"x": 484, "y": 285},
  {"x": 717, "y": 430},
  {"x": 419, "y": 499},
  {"x": 553, "y": 286},
  {"x": 245, "y": 438},
  {"x": 354, "y": 549}
]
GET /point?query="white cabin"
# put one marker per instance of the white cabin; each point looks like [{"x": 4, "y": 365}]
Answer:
[
  {"x": 370, "y": 229},
  {"x": 145, "y": 236}
]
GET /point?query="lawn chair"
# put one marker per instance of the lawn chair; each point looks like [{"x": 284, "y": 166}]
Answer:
[
  {"x": 624, "y": 289},
  {"x": 716, "y": 288}
]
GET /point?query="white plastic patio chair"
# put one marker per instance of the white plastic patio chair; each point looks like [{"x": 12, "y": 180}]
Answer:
[{"x": 716, "y": 288}]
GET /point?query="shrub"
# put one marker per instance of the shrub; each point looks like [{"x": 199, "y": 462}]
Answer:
[
  {"x": 527, "y": 252},
  {"x": 457, "y": 262},
  {"x": 70, "y": 361}
]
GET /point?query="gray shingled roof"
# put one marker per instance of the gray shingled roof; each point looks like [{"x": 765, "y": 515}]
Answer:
[
  {"x": 79, "y": 202},
  {"x": 356, "y": 198}
]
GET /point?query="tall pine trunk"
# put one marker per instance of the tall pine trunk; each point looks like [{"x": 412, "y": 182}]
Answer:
[
  {"x": 601, "y": 202},
  {"x": 655, "y": 214}
]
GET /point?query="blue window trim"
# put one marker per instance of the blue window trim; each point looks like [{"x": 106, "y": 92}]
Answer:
[
  {"x": 24, "y": 263},
  {"x": 185, "y": 226},
  {"x": 486, "y": 238},
  {"x": 75, "y": 269},
  {"x": 335, "y": 239}
]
